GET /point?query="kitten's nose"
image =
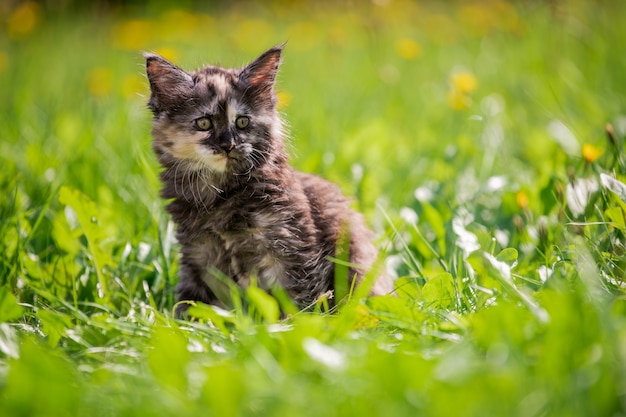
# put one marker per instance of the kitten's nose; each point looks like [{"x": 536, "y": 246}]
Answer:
[
  {"x": 227, "y": 147},
  {"x": 226, "y": 142}
]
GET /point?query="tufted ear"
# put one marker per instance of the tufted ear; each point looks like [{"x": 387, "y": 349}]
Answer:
[
  {"x": 168, "y": 83},
  {"x": 261, "y": 74}
]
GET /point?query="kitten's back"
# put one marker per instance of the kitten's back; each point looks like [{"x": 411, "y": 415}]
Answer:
[{"x": 333, "y": 216}]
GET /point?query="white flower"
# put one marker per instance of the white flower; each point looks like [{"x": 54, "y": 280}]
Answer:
[
  {"x": 324, "y": 354},
  {"x": 578, "y": 193},
  {"x": 544, "y": 273},
  {"x": 466, "y": 240},
  {"x": 409, "y": 215}
]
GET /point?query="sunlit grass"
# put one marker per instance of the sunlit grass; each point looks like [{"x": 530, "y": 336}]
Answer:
[{"x": 484, "y": 141}]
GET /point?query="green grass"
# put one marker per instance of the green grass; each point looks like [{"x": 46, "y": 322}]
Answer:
[{"x": 463, "y": 130}]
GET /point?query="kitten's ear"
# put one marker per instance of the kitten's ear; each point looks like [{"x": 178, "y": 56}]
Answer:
[
  {"x": 262, "y": 72},
  {"x": 168, "y": 83}
]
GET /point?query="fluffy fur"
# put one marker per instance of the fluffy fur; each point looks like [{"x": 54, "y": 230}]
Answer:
[{"x": 240, "y": 208}]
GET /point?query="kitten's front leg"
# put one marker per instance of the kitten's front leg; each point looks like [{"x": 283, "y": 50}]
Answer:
[{"x": 192, "y": 287}]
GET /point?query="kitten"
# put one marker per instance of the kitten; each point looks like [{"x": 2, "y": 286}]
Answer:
[{"x": 241, "y": 210}]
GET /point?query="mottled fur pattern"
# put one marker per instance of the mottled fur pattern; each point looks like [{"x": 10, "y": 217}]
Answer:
[{"x": 239, "y": 207}]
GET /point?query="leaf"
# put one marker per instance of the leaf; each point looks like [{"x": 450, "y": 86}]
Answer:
[
  {"x": 224, "y": 388},
  {"x": 54, "y": 325},
  {"x": 483, "y": 278},
  {"x": 9, "y": 341},
  {"x": 42, "y": 381},
  {"x": 502, "y": 322},
  {"x": 86, "y": 212},
  {"x": 342, "y": 254},
  {"x": 215, "y": 315},
  {"x": 285, "y": 302},
  {"x": 590, "y": 274},
  {"x": 408, "y": 287},
  {"x": 265, "y": 304},
  {"x": 508, "y": 256},
  {"x": 396, "y": 311},
  {"x": 9, "y": 308},
  {"x": 87, "y": 215},
  {"x": 63, "y": 235},
  {"x": 614, "y": 185},
  {"x": 548, "y": 195},
  {"x": 169, "y": 357},
  {"x": 617, "y": 217},
  {"x": 439, "y": 290},
  {"x": 433, "y": 218},
  {"x": 502, "y": 271}
]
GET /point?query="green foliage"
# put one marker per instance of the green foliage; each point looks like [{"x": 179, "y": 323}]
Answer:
[{"x": 483, "y": 140}]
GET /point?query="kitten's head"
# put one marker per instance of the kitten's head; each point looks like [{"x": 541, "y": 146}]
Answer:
[{"x": 223, "y": 120}]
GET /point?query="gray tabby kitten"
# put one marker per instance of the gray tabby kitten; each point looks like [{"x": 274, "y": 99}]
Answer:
[{"x": 241, "y": 210}]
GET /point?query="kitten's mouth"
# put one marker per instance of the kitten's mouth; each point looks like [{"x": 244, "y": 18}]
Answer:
[
  {"x": 222, "y": 160},
  {"x": 230, "y": 156}
]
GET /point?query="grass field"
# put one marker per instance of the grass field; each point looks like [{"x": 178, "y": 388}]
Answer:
[{"x": 484, "y": 141}]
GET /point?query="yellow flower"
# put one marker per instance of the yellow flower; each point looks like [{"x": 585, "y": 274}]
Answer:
[
  {"x": 132, "y": 34},
  {"x": 464, "y": 82},
  {"x": 178, "y": 24},
  {"x": 168, "y": 53},
  {"x": 284, "y": 98},
  {"x": 477, "y": 18},
  {"x": 591, "y": 153},
  {"x": 134, "y": 85},
  {"x": 481, "y": 18},
  {"x": 408, "y": 48},
  {"x": 100, "y": 82},
  {"x": 461, "y": 85},
  {"x": 363, "y": 318},
  {"x": 23, "y": 20},
  {"x": 521, "y": 199},
  {"x": 457, "y": 100},
  {"x": 250, "y": 33},
  {"x": 304, "y": 36}
]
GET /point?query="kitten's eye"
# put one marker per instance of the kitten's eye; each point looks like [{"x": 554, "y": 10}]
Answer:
[
  {"x": 242, "y": 122},
  {"x": 204, "y": 123}
]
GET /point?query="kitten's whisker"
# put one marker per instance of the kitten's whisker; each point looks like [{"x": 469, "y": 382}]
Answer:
[
  {"x": 248, "y": 172},
  {"x": 207, "y": 178},
  {"x": 217, "y": 190},
  {"x": 190, "y": 179},
  {"x": 202, "y": 180},
  {"x": 176, "y": 167},
  {"x": 186, "y": 184},
  {"x": 258, "y": 158},
  {"x": 194, "y": 181},
  {"x": 195, "y": 176}
]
